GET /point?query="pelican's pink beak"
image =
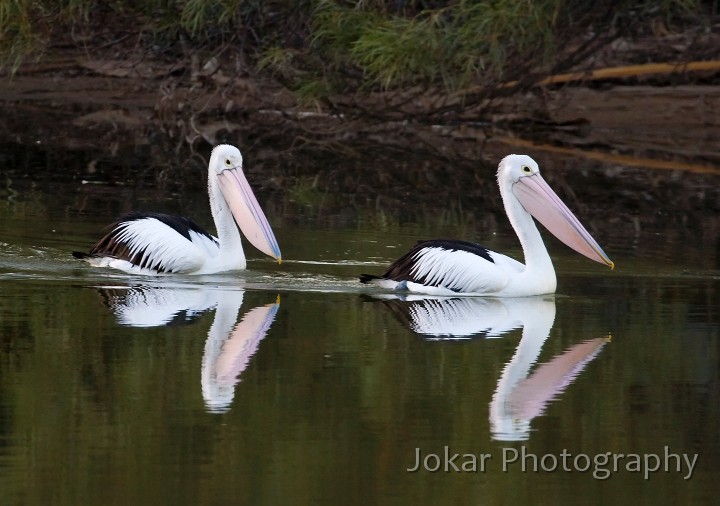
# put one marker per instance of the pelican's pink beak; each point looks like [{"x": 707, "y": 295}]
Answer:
[
  {"x": 544, "y": 205},
  {"x": 247, "y": 212}
]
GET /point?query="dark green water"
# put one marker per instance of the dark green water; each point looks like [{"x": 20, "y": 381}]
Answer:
[{"x": 294, "y": 384}]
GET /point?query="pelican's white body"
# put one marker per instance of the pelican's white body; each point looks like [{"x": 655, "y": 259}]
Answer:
[{"x": 199, "y": 255}]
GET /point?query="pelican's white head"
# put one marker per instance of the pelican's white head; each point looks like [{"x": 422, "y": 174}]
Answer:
[
  {"x": 513, "y": 167},
  {"x": 520, "y": 181},
  {"x": 225, "y": 157},
  {"x": 226, "y": 174}
]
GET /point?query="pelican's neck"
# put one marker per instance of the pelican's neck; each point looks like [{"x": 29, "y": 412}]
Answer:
[
  {"x": 537, "y": 260},
  {"x": 228, "y": 233}
]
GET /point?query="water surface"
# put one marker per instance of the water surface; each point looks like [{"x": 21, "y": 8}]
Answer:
[{"x": 296, "y": 384}]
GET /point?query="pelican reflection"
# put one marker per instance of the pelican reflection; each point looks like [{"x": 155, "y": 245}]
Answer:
[
  {"x": 231, "y": 341},
  {"x": 519, "y": 396}
]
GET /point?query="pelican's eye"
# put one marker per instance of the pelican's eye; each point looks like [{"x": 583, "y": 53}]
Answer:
[
  {"x": 526, "y": 169},
  {"x": 228, "y": 162}
]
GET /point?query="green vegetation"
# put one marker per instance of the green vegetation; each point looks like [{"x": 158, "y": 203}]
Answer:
[
  {"x": 458, "y": 43},
  {"x": 450, "y": 45},
  {"x": 320, "y": 46},
  {"x": 27, "y": 26},
  {"x": 30, "y": 27}
]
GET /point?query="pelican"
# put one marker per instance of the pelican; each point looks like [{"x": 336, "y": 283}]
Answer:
[
  {"x": 451, "y": 267},
  {"x": 154, "y": 243}
]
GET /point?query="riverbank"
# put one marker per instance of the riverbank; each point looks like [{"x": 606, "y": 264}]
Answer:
[{"x": 634, "y": 143}]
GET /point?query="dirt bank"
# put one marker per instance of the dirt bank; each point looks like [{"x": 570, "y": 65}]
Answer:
[{"x": 652, "y": 137}]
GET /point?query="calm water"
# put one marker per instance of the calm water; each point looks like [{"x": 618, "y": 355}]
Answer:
[{"x": 294, "y": 384}]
